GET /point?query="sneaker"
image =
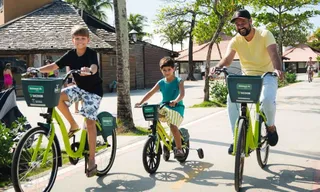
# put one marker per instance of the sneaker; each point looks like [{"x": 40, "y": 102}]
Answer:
[
  {"x": 273, "y": 138},
  {"x": 230, "y": 150},
  {"x": 178, "y": 153}
]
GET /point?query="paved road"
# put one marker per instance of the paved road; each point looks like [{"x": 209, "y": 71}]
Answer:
[{"x": 294, "y": 164}]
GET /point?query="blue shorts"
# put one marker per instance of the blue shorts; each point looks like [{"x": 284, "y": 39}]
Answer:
[{"x": 91, "y": 101}]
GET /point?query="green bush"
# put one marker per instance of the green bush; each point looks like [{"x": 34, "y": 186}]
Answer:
[
  {"x": 218, "y": 91},
  {"x": 6, "y": 142},
  {"x": 319, "y": 74},
  {"x": 291, "y": 77}
]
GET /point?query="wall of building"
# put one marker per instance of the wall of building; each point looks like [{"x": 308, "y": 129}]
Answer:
[
  {"x": 16, "y": 8},
  {"x": 152, "y": 69},
  {"x": 109, "y": 71},
  {"x": 136, "y": 50}
]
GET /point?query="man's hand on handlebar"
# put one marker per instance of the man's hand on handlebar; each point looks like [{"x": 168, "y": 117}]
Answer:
[{"x": 279, "y": 73}]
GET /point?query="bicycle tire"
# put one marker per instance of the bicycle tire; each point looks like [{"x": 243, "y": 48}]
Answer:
[
  {"x": 112, "y": 157},
  {"x": 149, "y": 148},
  {"x": 17, "y": 156},
  {"x": 185, "y": 151},
  {"x": 239, "y": 157},
  {"x": 262, "y": 161}
]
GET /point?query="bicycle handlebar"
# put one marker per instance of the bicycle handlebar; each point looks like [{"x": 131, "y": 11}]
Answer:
[
  {"x": 225, "y": 71},
  {"x": 35, "y": 71},
  {"x": 160, "y": 105}
]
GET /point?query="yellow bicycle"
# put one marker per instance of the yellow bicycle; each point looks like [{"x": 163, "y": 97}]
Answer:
[
  {"x": 35, "y": 166},
  {"x": 152, "y": 149}
]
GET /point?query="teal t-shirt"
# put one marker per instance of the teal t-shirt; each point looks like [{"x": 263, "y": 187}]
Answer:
[{"x": 170, "y": 91}]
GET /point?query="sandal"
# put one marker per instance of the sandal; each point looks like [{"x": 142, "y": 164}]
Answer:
[
  {"x": 72, "y": 132},
  {"x": 92, "y": 172}
]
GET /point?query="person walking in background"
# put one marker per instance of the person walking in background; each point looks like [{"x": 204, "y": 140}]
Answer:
[{"x": 7, "y": 76}]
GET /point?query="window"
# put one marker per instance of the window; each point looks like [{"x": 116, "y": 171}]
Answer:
[
  {"x": 1, "y": 4},
  {"x": 113, "y": 61}
]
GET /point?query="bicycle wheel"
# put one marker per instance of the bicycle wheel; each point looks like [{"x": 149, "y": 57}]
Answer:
[
  {"x": 263, "y": 148},
  {"x": 240, "y": 154},
  {"x": 185, "y": 151},
  {"x": 106, "y": 153},
  {"x": 151, "y": 159},
  {"x": 32, "y": 175}
]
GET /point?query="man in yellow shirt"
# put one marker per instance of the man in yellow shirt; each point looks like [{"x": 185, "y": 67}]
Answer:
[{"x": 257, "y": 50}]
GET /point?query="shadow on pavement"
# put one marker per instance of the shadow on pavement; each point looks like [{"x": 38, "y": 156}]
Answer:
[
  {"x": 132, "y": 182},
  {"x": 286, "y": 174},
  {"x": 271, "y": 150}
]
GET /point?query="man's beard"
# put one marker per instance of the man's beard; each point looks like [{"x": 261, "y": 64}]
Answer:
[{"x": 244, "y": 32}]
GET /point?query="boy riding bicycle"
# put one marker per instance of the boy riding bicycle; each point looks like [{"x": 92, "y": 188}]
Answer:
[
  {"x": 172, "y": 89},
  {"x": 88, "y": 88},
  {"x": 257, "y": 50}
]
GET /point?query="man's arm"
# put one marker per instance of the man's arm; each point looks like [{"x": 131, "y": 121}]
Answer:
[
  {"x": 228, "y": 58},
  {"x": 275, "y": 59}
]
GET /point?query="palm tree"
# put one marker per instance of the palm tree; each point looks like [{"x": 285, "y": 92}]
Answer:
[
  {"x": 93, "y": 7},
  {"x": 169, "y": 37},
  {"x": 124, "y": 110},
  {"x": 137, "y": 22},
  {"x": 182, "y": 31}
]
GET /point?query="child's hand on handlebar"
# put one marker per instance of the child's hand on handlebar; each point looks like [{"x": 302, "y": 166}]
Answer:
[
  {"x": 137, "y": 105},
  {"x": 85, "y": 71},
  {"x": 173, "y": 103}
]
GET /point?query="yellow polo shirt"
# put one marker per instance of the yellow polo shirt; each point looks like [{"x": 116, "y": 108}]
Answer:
[{"x": 253, "y": 55}]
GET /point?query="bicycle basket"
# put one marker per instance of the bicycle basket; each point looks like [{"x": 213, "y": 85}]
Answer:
[
  {"x": 107, "y": 124},
  {"x": 42, "y": 92},
  {"x": 150, "y": 112},
  {"x": 244, "y": 89}
]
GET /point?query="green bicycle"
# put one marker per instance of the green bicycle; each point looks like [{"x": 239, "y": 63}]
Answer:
[
  {"x": 35, "y": 166},
  {"x": 152, "y": 149},
  {"x": 246, "y": 89}
]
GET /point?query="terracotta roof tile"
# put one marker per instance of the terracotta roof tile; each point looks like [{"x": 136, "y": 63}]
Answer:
[
  {"x": 301, "y": 52},
  {"x": 47, "y": 28}
]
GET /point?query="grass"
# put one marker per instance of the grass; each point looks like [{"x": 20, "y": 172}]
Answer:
[
  {"x": 139, "y": 131},
  {"x": 209, "y": 104}
]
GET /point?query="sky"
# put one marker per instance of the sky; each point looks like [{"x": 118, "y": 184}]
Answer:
[{"x": 149, "y": 9}]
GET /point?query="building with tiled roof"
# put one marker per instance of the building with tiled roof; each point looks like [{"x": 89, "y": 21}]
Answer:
[
  {"x": 41, "y": 30},
  {"x": 298, "y": 56}
]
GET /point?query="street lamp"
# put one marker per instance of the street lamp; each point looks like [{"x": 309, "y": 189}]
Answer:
[{"x": 133, "y": 35}]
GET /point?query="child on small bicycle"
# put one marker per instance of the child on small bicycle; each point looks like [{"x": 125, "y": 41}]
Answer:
[
  {"x": 172, "y": 89},
  {"x": 88, "y": 88}
]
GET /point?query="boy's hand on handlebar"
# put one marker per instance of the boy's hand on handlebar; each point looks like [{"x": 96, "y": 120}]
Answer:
[
  {"x": 279, "y": 73},
  {"x": 137, "y": 105},
  {"x": 85, "y": 71},
  {"x": 173, "y": 103}
]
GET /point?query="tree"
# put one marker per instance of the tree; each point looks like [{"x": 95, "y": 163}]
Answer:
[
  {"x": 180, "y": 12},
  {"x": 169, "y": 37},
  {"x": 94, "y": 7},
  {"x": 315, "y": 40},
  {"x": 124, "y": 112},
  {"x": 174, "y": 34},
  {"x": 288, "y": 20},
  {"x": 218, "y": 14},
  {"x": 137, "y": 22}
]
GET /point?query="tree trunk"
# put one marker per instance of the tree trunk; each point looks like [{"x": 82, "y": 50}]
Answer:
[
  {"x": 218, "y": 47},
  {"x": 213, "y": 40},
  {"x": 191, "y": 64},
  {"x": 124, "y": 112},
  {"x": 280, "y": 37}
]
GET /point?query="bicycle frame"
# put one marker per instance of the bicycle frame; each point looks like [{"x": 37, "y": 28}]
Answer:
[
  {"x": 69, "y": 151},
  {"x": 164, "y": 136},
  {"x": 252, "y": 134}
]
